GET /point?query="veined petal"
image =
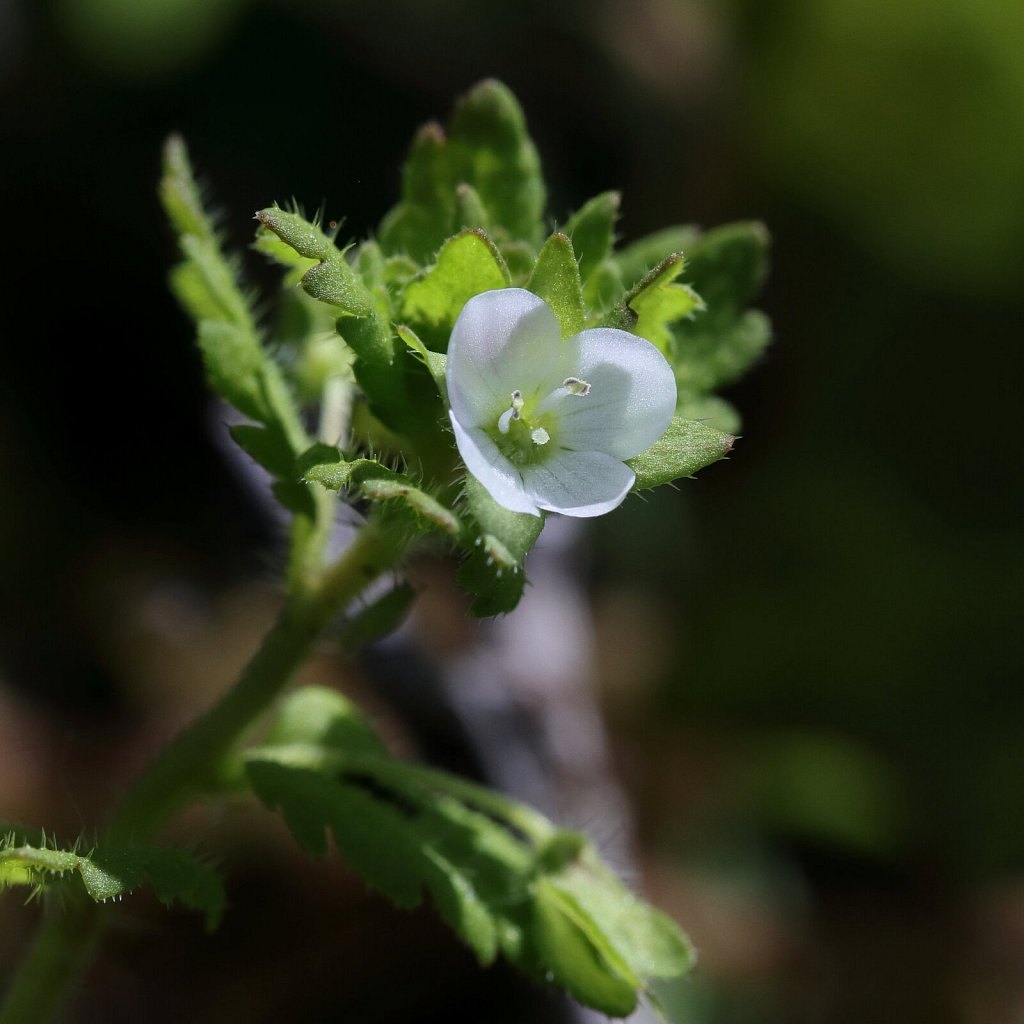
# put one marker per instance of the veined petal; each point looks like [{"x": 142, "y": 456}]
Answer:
[
  {"x": 503, "y": 340},
  {"x": 580, "y": 484},
  {"x": 498, "y": 476},
  {"x": 632, "y": 394}
]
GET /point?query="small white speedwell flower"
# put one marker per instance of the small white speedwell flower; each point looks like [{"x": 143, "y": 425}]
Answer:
[{"x": 544, "y": 423}]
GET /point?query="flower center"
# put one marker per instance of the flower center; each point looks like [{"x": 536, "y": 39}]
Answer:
[{"x": 525, "y": 427}]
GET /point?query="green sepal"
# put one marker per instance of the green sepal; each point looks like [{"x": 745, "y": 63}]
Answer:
[
  {"x": 423, "y": 219},
  {"x": 556, "y": 279},
  {"x": 265, "y": 446},
  {"x": 328, "y": 467},
  {"x": 658, "y": 302},
  {"x": 466, "y": 265},
  {"x": 493, "y": 568},
  {"x": 110, "y": 872},
  {"x": 435, "y": 362},
  {"x": 684, "y": 448},
  {"x": 489, "y": 149},
  {"x": 592, "y": 230},
  {"x": 378, "y": 618}
]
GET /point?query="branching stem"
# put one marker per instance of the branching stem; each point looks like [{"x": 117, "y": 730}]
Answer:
[{"x": 188, "y": 766}]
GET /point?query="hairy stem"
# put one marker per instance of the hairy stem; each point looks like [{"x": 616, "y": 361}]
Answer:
[{"x": 188, "y": 766}]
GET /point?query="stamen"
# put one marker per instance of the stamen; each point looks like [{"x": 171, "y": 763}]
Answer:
[
  {"x": 512, "y": 413},
  {"x": 575, "y": 386}
]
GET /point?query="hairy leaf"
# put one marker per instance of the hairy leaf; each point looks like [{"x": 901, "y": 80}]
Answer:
[
  {"x": 592, "y": 230},
  {"x": 112, "y": 872},
  {"x": 556, "y": 279},
  {"x": 491, "y": 150},
  {"x": 467, "y": 264},
  {"x": 504, "y": 878},
  {"x": 684, "y": 448}
]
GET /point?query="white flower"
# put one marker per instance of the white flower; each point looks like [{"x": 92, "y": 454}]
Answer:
[{"x": 544, "y": 423}]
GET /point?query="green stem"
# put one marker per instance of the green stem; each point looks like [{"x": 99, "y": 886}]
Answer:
[
  {"x": 60, "y": 952},
  {"x": 188, "y": 766}
]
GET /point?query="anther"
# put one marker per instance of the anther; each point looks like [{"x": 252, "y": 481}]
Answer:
[{"x": 575, "y": 386}]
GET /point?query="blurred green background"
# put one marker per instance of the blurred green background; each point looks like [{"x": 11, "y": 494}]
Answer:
[{"x": 810, "y": 658}]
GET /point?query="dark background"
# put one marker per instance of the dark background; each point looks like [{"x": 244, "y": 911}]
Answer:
[{"x": 810, "y": 658}]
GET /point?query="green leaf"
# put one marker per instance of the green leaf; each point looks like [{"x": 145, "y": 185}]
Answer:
[
  {"x": 490, "y": 150},
  {"x": 234, "y": 367},
  {"x": 684, "y": 448},
  {"x": 467, "y": 264},
  {"x": 368, "y": 478},
  {"x": 331, "y": 279},
  {"x": 709, "y": 409},
  {"x": 603, "y": 291},
  {"x": 299, "y": 234},
  {"x": 556, "y": 279},
  {"x": 112, "y": 872},
  {"x": 470, "y": 211},
  {"x": 592, "y": 230},
  {"x": 265, "y": 446},
  {"x": 319, "y": 717},
  {"x": 649, "y": 943},
  {"x": 269, "y": 245},
  {"x": 637, "y": 260},
  {"x": 207, "y": 284},
  {"x": 727, "y": 266},
  {"x": 500, "y": 874},
  {"x": 659, "y": 302},
  {"x": 588, "y": 970},
  {"x": 179, "y": 194},
  {"x": 295, "y": 497},
  {"x": 424, "y": 218},
  {"x": 378, "y": 618}
]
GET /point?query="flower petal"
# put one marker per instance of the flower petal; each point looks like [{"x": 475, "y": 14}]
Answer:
[
  {"x": 502, "y": 340},
  {"x": 579, "y": 483},
  {"x": 498, "y": 476},
  {"x": 632, "y": 394}
]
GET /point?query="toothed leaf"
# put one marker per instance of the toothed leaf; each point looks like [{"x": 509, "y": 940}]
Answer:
[
  {"x": 684, "y": 448},
  {"x": 112, "y": 872}
]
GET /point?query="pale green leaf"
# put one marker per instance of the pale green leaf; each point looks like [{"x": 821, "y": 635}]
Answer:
[{"x": 467, "y": 264}]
